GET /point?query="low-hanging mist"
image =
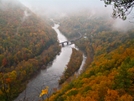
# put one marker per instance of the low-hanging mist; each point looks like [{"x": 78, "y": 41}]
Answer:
[
  {"x": 63, "y": 8},
  {"x": 25, "y": 16}
]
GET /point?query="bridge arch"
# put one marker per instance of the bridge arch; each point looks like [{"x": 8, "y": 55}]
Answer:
[
  {"x": 70, "y": 41},
  {"x": 66, "y": 43}
]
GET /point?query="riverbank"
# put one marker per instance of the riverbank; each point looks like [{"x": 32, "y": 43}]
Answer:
[
  {"x": 50, "y": 75},
  {"x": 73, "y": 65},
  {"x": 37, "y": 63}
]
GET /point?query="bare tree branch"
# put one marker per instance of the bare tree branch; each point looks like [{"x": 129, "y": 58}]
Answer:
[{"x": 121, "y": 8}]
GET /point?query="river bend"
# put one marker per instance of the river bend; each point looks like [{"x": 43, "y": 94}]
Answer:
[{"x": 51, "y": 75}]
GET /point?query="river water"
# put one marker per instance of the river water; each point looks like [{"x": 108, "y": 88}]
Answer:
[{"x": 50, "y": 76}]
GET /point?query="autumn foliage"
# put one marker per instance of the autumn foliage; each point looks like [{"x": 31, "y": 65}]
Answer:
[
  {"x": 109, "y": 68},
  {"x": 26, "y": 46}
]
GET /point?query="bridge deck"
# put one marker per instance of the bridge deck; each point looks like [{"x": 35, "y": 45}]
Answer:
[{"x": 72, "y": 39}]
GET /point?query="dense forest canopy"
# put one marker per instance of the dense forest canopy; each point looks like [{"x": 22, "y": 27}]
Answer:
[
  {"x": 26, "y": 44},
  {"x": 108, "y": 74}
]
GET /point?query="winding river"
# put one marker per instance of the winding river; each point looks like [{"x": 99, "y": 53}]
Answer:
[{"x": 51, "y": 75}]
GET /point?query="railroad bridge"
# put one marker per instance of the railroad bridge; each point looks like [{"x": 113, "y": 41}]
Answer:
[
  {"x": 66, "y": 43},
  {"x": 69, "y": 42}
]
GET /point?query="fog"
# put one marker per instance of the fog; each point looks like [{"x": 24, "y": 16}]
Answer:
[
  {"x": 53, "y": 7},
  {"x": 25, "y": 16},
  {"x": 61, "y": 5},
  {"x": 63, "y": 8}
]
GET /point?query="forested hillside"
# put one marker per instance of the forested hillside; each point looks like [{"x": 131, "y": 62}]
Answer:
[
  {"x": 109, "y": 68},
  {"x": 27, "y": 44}
]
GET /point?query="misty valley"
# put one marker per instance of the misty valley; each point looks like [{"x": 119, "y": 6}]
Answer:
[{"x": 55, "y": 51}]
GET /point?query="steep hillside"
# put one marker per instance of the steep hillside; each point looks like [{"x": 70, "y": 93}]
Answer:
[
  {"x": 27, "y": 44},
  {"x": 109, "y": 69},
  {"x": 84, "y": 22}
]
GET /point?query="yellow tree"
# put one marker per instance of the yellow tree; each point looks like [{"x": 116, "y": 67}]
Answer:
[
  {"x": 126, "y": 97},
  {"x": 44, "y": 92},
  {"x": 112, "y": 95}
]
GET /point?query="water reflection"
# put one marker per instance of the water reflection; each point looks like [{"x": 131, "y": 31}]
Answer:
[{"x": 50, "y": 76}]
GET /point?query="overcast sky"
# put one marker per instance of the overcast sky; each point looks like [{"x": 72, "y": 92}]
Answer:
[{"x": 63, "y": 4}]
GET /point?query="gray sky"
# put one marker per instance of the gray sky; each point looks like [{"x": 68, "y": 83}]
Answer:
[
  {"x": 63, "y": 4},
  {"x": 54, "y": 6}
]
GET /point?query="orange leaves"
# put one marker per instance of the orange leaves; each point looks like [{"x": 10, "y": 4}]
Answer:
[
  {"x": 21, "y": 48},
  {"x": 80, "y": 98},
  {"x": 128, "y": 52},
  {"x": 8, "y": 80},
  {"x": 13, "y": 75},
  {"x": 126, "y": 97},
  {"x": 44, "y": 91},
  {"x": 9, "y": 77},
  {"x": 112, "y": 95},
  {"x": 87, "y": 99}
]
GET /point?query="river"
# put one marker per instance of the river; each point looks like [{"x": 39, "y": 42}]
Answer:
[{"x": 50, "y": 76}]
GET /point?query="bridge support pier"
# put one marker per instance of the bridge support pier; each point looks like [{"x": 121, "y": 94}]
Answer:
[
  {"x": 62, "y": 44},
  {"x": 67, "y": 42}
]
